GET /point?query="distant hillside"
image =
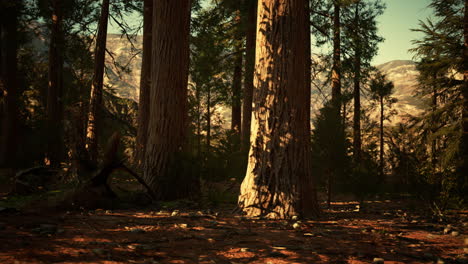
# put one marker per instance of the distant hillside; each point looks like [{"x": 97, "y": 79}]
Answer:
[{"x": 402, "y": 73}]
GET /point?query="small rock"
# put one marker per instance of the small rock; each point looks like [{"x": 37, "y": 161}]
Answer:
[
  {"x": 308, "y": 234},
  {"x": 378, "y": 261},
  {"x": 137, "y": 230},
  {"x": 244, "y": 250},
  {"x": 175, "y": 213},
  {"x": 295, "y": 218},
  {"x": 447, "y": 230},
  {"x": 440, "y": 261},
  {"x": 454, "y": 233},
  {"x": 296, "y": 225},
  {"x": 108, "y": 212},
  {"x": 184, "y": 226}
]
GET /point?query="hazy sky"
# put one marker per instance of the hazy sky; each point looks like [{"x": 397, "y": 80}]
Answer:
[{"x": 394, "y": 25}]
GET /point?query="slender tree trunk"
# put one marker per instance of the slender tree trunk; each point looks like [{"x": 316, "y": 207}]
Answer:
[
  {"x": 433, "y": 130},
  {"x": 208, "y": 121},
  {"x": 382, "y": 162},
  {"x": 336, "y": 89},
  {"x": 9, "y": 48},
  {"x": 249, "y": 73},
  {"x": 55, "y": 89},
  {"x": 95, "y": 104},
  {"x": 357, "y": 94},
  {"x": 336, "y": 68},
  {"x": 145, "y": 82},
  {"x": 164, "y": 170},
  {"x": 236, "y": 93},
  {"x": 199, "y": 119},
  {"x": 278, "y": 183}
]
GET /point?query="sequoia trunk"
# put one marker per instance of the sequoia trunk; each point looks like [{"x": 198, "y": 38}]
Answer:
[
  {"x": 278, "y": 181},
  {"x": 168, "y": 115}
]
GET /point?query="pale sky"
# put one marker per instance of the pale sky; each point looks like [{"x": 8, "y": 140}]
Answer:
[{"x": 394, "y": 25}]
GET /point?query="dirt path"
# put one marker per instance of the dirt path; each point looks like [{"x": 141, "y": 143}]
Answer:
[{"x": 343, "y": 235}]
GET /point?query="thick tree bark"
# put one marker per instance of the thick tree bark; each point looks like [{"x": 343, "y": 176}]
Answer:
[
  {"x": 357, "y": 94},
  {"x": 55, "y": 89},
  {"x": 249, "y": 73},
  {"x": 95, "y": 104},
  {"x": 168, "y": 122},
  {"x": 145, "y": 82},
  {"x": 9, "y": 48},
  {"x": 278, "y": 181}
]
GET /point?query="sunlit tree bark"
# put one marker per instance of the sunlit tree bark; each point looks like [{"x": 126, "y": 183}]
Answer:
[
  {"x": 95, "y": 104},
  {"x": 278, "y": 182},
  {"x": 464, "y": 147}
]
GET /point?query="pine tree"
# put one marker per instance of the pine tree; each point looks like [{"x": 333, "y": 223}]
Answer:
[
  {"x": 55, "y": 89},
  {"x": 381, "y": 91},
  {"x": 95, "y": 104}
]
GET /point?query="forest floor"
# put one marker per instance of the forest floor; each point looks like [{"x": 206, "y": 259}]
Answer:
[{"x": 385, "y": 232}]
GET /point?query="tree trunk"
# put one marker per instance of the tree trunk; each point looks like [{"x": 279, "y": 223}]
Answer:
[
  {"x": 249, "y": 73},
  {"x": 55, "y": 89},
  {"x": 168, "y": 122},
  {"x": 9, "y": 48},
  {"x": 336, "y": 68},
  {"x": 278, "y": 181},
  {"x": 464, "y": 148},
  {"x": 357, "y": 94},
  {"x": 208, "y": 120},
  {"x": 236, "y": 93},
  {"x": 336, "y": 90},
  {"x": 381, "y": 169},
  {"x": 95, "y": 104},
  {"x": 145, "y": 82}
]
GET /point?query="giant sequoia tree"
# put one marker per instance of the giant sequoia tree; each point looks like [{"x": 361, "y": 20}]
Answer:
[
  {"x": 167, "y": 126},
  {"x": 278, "y": 183}
]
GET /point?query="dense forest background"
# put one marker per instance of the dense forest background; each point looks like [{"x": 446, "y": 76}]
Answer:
[{"x": 187, "y": 100}]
